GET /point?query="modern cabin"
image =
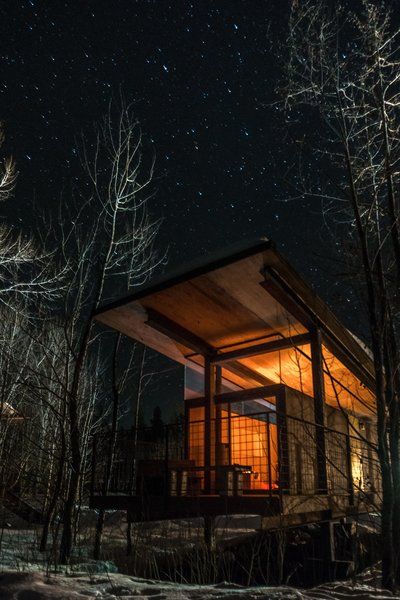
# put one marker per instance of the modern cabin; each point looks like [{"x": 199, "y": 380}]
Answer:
[{"x": 279, "y": 404}]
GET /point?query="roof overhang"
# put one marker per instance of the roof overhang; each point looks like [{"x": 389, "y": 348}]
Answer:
[{"x": 247, "y": 293}]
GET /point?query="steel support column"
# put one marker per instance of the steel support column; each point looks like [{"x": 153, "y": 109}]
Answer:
[
  {"x": 319, "y": 411},
  {"x": 209, "y": 422}
]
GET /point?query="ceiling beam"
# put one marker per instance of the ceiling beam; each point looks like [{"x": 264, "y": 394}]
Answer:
[
  {"x": 178, "y": 333},
  {"x": 266, "y": 347},
  {"x": 281, "y": 295},
  {"x": 263, "y": 391},
  {"x": 182, "y": 336},
  {"x": 246, "y": 373}
]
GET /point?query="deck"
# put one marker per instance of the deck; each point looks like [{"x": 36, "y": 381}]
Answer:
[
  {"x": 155, "y": 475},
  {"x": 152, "y": 508}
]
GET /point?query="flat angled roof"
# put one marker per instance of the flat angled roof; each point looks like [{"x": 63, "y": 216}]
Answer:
[
  {"x": 199, "y": 266},
  {"x": 230, "y": 299}
]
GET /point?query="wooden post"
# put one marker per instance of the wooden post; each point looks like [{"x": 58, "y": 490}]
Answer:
[
  {"x": 209, "y": 423},
  {"x": 319, "y": 403}
]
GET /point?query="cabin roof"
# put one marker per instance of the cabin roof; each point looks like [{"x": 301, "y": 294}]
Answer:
[
  {"x": 244, "y": 295},
  {"x": 199, "y": 266}
]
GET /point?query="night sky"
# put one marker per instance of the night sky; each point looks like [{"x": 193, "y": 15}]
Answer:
[{"x": 199, "y": 76}]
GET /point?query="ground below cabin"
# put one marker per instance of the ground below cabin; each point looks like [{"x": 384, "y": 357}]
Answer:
[
  {"x": 26, "y": 574},
  {"x": 37, "y": 586}
]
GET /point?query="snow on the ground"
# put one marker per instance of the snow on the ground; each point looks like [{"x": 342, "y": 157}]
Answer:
[
  {"x": 19, "y": 546},
  {"x": 15, "y": 585},
  {"x": 23, "y": 570}
]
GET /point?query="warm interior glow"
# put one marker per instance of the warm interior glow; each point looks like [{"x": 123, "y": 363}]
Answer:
[
  {"x": 243, "y": 441},
  {"x": 292, "y": 367},
  {"x": 250, "y": 447},
  {"x": 343, "y": 389},
  {"x": 361, "y": 466}
]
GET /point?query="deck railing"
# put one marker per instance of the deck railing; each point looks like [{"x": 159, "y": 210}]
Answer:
[
  {"x": 116, "y": 458},
  {"x": 274, "y": 454}
]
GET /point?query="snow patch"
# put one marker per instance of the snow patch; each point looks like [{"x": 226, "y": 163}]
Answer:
[{"x": 38, "y": 586}]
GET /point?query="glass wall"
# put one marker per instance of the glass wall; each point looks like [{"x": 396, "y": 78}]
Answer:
[
  {"x": 291, "y": 367},
  {"x": 245, "y": 436}
]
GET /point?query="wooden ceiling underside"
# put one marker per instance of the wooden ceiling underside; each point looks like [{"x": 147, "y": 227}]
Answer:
[{"x": 226, "y": 308}]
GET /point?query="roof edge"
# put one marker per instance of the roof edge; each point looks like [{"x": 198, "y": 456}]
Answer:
[{"x": 217, "y": 260}]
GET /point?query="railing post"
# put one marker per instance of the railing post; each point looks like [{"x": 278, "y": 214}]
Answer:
[
  {"x": 186, "y": 431},
  {"x": 319, "y": 405},
  {"x": 229, "y": 434},
  {"x": 370, "y": 458},
  {"x": 218, "y": 422},
  {"x": 166, "y": 491},
  {"x": 269, "y": 455}
]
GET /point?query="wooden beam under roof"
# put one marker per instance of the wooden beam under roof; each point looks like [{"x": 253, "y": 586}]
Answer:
[
  {"x": 355, "y": 366},
  {"x": 264, "y": 348},
  {"x": 246, "y": 373},
  {"x": 263, "y": 391},
  {"x": 277, "y": 291},
  {"x": 178, "y": 333},
  {"x": 185, "y": 337}
]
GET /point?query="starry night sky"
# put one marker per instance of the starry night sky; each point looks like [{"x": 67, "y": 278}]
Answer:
[{"x": 200, "y": 76}]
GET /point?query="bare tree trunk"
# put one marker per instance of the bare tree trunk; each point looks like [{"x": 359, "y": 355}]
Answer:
[
  {"x": 129, "y": 544},
  {"x": 111, "y": 450},
  {"x": 67, "y": 537},
  {"x": 54, "y": 500}
]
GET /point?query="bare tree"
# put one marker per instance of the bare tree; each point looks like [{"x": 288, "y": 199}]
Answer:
[
  {"x": 29, "y": 279},
  {"x": 342, "y": 76},
  {"x": 106, "y": 240},
  {"x": 26, "y": 267},
  {"x": 113, "y": 250},
  {"x": 120, "y": 379},
  {"x": 106, "y": 247}
]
